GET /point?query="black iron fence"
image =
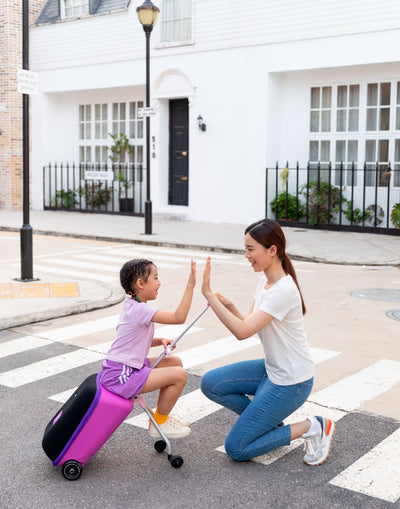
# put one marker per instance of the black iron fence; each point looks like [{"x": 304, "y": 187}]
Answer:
[
  {"x": 117, "y": 188},
  {"x": 335, "y": 197}
]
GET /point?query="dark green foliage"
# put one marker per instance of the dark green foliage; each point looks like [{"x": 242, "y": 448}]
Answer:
[{"x": 287, "y": 206}]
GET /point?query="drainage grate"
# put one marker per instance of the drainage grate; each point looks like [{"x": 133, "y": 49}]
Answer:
[{"x": 394, "y": 314}]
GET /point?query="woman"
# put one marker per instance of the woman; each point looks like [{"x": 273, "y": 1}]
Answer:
[{"x": 282, "y": 381}]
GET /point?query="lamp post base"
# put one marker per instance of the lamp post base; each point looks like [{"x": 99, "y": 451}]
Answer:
[
  {"x": 26, "y": 254},
  {"x": 148, "y": 218}
]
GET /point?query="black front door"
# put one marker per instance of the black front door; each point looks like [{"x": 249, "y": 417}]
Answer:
[{"x": 178, "y": 152}]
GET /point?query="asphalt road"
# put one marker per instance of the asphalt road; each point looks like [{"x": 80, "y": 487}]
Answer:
[{"x": 356, "y": 348}]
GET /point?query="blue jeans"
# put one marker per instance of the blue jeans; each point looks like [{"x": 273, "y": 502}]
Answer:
[{"x": 256, "y": 431}]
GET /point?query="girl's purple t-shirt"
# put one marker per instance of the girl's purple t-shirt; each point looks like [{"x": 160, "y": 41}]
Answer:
[{"x": 135, "y": 332}]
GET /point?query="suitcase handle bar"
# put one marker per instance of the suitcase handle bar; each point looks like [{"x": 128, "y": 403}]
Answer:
[{"x": 170, "y": 347}]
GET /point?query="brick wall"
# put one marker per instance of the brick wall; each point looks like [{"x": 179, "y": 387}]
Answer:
[{"x": 11, "y": 101}]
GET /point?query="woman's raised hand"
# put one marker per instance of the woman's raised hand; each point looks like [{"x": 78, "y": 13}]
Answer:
[
  {"x": 226, "y": 302},
  {"x": 206, "y": 289}
]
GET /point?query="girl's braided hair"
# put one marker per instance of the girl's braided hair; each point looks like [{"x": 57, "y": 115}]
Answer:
[{"x": 133, "y": 270}]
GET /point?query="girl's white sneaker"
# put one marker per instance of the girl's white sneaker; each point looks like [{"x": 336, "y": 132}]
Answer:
[{"x": 171, "y": 429}]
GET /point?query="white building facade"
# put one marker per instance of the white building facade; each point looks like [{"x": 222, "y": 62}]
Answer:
[{"x": 280, "y": 80}]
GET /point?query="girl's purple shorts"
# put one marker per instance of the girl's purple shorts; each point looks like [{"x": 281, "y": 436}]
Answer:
[{"x": 124, "y": 380}]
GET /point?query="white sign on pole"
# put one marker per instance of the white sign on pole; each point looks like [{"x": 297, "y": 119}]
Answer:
[
  {"x": 146, "y": 112},
  {"x": 27, "y": 82},
  {"x": 99, "y": 175}
]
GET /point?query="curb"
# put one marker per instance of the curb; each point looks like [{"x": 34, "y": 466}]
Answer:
[{"x": 115, "y": 298}]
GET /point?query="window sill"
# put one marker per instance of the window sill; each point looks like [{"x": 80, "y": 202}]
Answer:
[{"x": 174, "y": 44}]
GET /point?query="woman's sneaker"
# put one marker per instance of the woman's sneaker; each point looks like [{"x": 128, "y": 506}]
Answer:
[
  {"x": 171, "y": 429},
  {"x": 318, "y": 444}
]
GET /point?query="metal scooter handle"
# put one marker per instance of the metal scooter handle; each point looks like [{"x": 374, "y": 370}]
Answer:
[{"x": 170, "y": 347}]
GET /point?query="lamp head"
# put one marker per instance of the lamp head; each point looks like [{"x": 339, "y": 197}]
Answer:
[{"x": 147, "y": 14}]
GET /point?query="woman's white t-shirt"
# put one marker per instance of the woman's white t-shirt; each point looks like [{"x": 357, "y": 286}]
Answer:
[{"x": 287, "y": 356}]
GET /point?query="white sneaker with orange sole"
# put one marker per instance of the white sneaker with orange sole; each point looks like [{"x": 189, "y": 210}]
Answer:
[
  {"x": 318, "y": 445},
  {"x": 171, "y": 429}
]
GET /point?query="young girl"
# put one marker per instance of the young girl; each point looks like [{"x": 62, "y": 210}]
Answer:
[
  {"x": 282, "y": 381},
  {"x": 126, "y": 370}
]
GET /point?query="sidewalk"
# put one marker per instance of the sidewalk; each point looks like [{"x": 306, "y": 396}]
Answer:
[{"x": 48, "y": 301}]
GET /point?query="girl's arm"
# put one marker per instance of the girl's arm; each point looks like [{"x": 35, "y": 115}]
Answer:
[
  {"x": 181, "y": 312},
  {"x": 242, "y": 327}
]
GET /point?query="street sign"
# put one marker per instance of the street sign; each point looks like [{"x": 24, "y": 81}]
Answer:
[
  {"x": 99, "y": 175},
  {"x": 27, "y": 82},
  {"x": 146, "y": 112}
]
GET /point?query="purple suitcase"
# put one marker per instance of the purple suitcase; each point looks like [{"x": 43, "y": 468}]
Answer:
[{"x": 83, "y": 425}]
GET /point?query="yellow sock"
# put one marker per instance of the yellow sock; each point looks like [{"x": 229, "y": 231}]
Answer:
[{"x": 160, "y": 419}]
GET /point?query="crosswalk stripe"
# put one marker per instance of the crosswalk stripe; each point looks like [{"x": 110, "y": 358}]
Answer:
[
  {"x": 48, "y": 367},
  {"x": 193, "y": 406},
  {"x": 169, "y": 331},
  {"x": 104, "y": 266},
  {"x": 377, "y": 473},
  {"x": 81, "y": 329},
  {"x": 154, "y": 249},
  {"x": 350, "y": 392},
  {"x": 22, "y": 344},
  {"x": 120, "y": 260},
  {"x": 73, "y": 273}
]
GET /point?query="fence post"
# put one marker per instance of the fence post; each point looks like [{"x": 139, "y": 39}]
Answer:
[
  {"x": 388, "y": 195},
  {"x": 376, "y": 191},
  {"x": 297, "y": 191},
  {"x": 364, "y": 187},
  {"x": 266, "y": 192}
]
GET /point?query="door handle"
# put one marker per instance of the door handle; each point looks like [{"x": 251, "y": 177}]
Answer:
[
  {"x": 184, "y": 178},
  {"x": 184, "y": 153}
]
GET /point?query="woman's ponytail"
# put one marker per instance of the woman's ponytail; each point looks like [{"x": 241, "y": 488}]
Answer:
[{"x": 289, "y": 269}]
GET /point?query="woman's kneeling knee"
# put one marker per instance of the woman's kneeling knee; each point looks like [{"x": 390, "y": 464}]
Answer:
[{"x": 233, "y": 450}]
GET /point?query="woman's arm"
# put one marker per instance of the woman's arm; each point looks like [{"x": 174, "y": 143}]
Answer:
[
  {"x": 241, "y": 327},
  {"x": 181, "y": 312}
]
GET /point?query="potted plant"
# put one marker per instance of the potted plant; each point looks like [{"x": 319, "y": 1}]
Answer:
[
  {"x": 395, "y": 215},
  {"x": 119, "y": 150},
  {"x": 68, "y": 198},
  {"x": 356, "y": 214},
  {"x": 323, "y": 201},
  {"x": 286, "y": 206}
]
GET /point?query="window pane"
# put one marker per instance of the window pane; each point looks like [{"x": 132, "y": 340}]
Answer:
[
  {"x": 372, "y": 95},
  {"x": 132, "y": 110},
  {"x": 326, "y": 97},
  {"x": 341, "y": 120},
  {"x": 140, "y": 129},
  {"x": 314, "y": 121},
  {"x": 397, "y": 118},
  {"x": 115, "y": 111},
  {"x": 385, "y": 94},
  {"x": 370, "y": 151},
  {"x": 97, "y": 115},
  {"x": 340, "y": 151},
  {"x": 315, "y": 97},
  {"x": 97, "y": 131},
  {"x": 353, "y": 120},
  {"x": 325, "y": 149},
  {"x": 313, "y": 150},
  {"x": 132, "y": 133},
  {"x": 342, "y": 97},
  {"x": 81, "y": 113},
  {"x": 354, "y": 95},
  {"x": 104, "y": 131},
  {"x": 352, "y": 151},
  {"x": 88, "y": 131},
  {"x": 325, "y": 121},
  {"x": 397, "y": 150},
  {"x": 105, "y": 111},
  {"x": 81, "y": 131},
  {"x": 371, "y": 119},
  {"x": 88, "y": 111},
  {"x": 383, "y": 150},
  {"x": 122, "y": 111},
  {"x": 384, "y": 119}
]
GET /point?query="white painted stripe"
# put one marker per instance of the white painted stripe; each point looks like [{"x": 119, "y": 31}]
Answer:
[
  {"x": 186, "y": 253},
  {"x": 320, "y": 355},
  {"x": 120, "y": 260},
  {"x": 73, "y": 273},
  {"x": 377, "y": 473},
  {"x": 192, "y": 407},
  {"x": 81, "y": 329},
  {"x": 103, "y": 267},
  {"x": 62, "y": 397},
  {"x": 48, "y": 367},
  {"x": 22, "y": 344},
  {"x": 352, "y": 391},
  {"x": 214, "y": 350}
]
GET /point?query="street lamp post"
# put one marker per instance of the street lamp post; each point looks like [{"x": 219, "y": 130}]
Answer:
[
  {"x": 26, "y": 230},
  {"x": 148, "y": 14}
]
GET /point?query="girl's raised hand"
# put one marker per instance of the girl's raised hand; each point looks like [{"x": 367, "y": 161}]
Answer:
[{"x": 192, "y": 275}]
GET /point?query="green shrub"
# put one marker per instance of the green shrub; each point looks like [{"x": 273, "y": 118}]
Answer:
[
  {"x": 395, "y": 215},
  {"x": 323, "y": 201},
  {"x": 285, "y": 206}
]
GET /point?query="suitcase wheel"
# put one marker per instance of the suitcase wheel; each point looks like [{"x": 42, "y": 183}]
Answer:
[
  {"x": 176, "y": 461},
  {"x": 160, "y": 445},
  {"x": 72, "y": 470}
]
